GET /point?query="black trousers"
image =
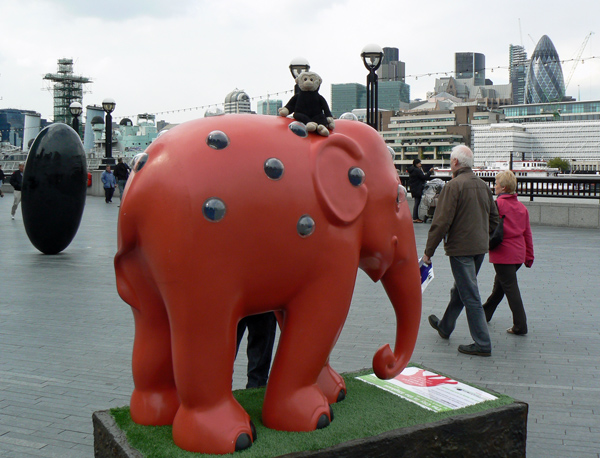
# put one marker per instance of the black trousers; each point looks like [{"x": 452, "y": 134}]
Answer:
[
  {"x": 506, "y": 283},
  {"x": 416, "y": 207},
  {"x": 261, "y": 337},
  {"x": 108, "y": 193}
]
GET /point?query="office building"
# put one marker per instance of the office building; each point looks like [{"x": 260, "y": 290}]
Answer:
[
  {"x": 391, "y": 95},
  {"x": 347, "y": 97},
  {"x": 237, "y": 101},
  {"x": 517, "y": 72},
  {"x": 429, "y": 133},
  {"x": 574, "y": 141},
  {"x": 268, "y": 107},
  {"x": 492, "y": 96},
  {"x": 558, "y": 111},
  {"x": 470, "y": 66},
  {"x": 545, "y": 80},
  {"x": 391, "y": 69}
]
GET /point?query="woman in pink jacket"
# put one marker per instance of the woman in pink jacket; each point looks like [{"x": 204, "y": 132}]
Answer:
[{"x": 516, "y": 249}]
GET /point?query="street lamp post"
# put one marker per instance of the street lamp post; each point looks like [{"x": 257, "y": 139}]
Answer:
[
  {"x": 75, "y": 108},
  {"x": 372, "y": 55},
  {"x": 297, "y": 66},
  {"x": 108, "y": 105}
]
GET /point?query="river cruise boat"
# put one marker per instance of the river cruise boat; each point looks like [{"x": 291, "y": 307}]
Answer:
[{"x": 535, "y": 169}]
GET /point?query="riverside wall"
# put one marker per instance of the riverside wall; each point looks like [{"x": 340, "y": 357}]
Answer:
[{"x": 557, "y": 212}]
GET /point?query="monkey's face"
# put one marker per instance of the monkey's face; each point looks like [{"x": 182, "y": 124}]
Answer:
[{"x": 309, "y": 81}]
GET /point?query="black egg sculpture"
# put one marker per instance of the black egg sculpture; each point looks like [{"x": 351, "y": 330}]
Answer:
[{"x": 54, "y": 188}]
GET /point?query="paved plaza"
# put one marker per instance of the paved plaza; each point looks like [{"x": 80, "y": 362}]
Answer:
[{"x": 66, "y": 338}]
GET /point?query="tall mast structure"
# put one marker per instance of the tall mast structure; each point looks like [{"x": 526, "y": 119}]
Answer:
[{"x": 67, "y": 88}]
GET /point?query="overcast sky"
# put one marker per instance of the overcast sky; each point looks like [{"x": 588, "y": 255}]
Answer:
[{"x": 155, "y": 56}]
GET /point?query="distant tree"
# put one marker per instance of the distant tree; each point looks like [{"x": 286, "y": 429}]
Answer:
[{"x": 559, "y": 163}]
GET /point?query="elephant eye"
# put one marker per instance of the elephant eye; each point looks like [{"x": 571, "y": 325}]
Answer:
[
  {"x": 214, "y": 209},
  {"x": 139, "y": 161},
  {"x": 356, "y": 176},
  {"x": 401, "y": 194},
  {"x": 217, "y": 140}
]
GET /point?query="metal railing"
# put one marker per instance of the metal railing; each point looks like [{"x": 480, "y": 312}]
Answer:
[{"x": 577, "y": 187}]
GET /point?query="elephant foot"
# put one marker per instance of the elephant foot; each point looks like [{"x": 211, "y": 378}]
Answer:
[
  {"x": 220, "y": 429},
  {"x": 311, "y": 126},
  {"x": 332, "y": 384},
  {"x": 306, "y": 409},
  {"x": 322, "y": 130},
  {"x": 154, "y": 408}
]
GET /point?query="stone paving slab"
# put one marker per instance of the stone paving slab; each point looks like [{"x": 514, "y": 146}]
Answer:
[{"x": 66, "y": 338}]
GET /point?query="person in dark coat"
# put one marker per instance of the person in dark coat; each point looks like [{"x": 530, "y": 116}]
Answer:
[
  {"x": 16, "y": 180},
  {"x": 416, "y": 182}
]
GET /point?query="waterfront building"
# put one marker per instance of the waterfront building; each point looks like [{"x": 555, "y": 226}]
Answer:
[
  {"x": 470, "y": 66},
  {"x": 19, "y": 127},
  {"x": 545, "y": 80},
  {"x": 517, "y": 72},
  {"x": 574, "y": 141},
  {"x": 268, "y": 107},
  {"x": 557, "y": 111},
  {"x": 237, "y": 101},
  {"x": 430, "y": 132}
]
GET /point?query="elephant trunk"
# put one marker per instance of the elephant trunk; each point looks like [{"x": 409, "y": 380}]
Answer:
[{"x": 402, "y": 283}]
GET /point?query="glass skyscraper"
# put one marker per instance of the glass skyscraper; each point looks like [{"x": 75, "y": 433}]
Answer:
[
  {"x": 545, "y": 82},
  {"x": 517, "y": 72},
  {"x": 470, "y": 65}
]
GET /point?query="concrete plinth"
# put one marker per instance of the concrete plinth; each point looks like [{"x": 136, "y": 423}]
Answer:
[{"x": 498, "y": 432}]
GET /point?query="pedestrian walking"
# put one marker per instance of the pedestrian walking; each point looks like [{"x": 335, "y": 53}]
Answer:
[
  {"x": 2, "y": 176},
  {"x": 109, "y": 182},
  {"x": 416, "y": 182},
  {"x": 16, "y": 181},
  {"x": 464, "y": 217},
  {"x": 121, "y": 174},
  {"x": 515, "y": 250},
  {"x": 261, "y": 337}
]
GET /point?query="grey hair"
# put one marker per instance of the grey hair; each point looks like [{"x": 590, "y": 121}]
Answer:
[{"x": 463, "y": 155}]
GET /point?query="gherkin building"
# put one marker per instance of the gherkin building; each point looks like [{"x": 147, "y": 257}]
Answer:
[{"x": 545, "y": 82}]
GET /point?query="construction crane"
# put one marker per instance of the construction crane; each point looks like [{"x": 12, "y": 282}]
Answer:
[{"x": 576, "y": 59}]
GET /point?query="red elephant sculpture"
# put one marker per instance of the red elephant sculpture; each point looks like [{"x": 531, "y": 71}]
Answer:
[{"x": 236, "y": 215}]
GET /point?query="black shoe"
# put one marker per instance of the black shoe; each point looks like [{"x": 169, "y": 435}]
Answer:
[
  {"x": 473, "y": 349},
  {"x": 435, "y": 324}
]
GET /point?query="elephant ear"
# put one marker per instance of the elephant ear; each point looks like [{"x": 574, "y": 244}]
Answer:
[{"x": 341, "y": 200}]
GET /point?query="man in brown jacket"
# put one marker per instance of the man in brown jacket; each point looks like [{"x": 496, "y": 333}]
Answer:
[{"x": 464, "y": 217}]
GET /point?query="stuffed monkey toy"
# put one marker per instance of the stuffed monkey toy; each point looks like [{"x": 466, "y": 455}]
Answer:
[{"x": 310, "y": 107}]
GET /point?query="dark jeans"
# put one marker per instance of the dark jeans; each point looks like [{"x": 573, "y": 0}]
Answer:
[
  {"x": 108, "y": 193},
  {"x": 506, "y": 283},
  {"x": 416, "y": 207},
  {"x": 121, "y": 184},
  {"x": 465, "y": 294},
  {"x": 261, "y": 337}
]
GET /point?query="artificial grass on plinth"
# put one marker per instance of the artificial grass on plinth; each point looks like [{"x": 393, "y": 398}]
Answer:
[{"x": 367, "y": 411}]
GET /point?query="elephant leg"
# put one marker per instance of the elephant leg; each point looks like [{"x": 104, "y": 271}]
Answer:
[
  {"x": 209, "y": 419},
  {"x": 293, "y": 400},
  {"x": 332, "y": 384},
  {"x": 154, "y": 400}
]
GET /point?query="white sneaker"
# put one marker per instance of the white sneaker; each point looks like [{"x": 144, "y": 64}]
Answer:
[{"x": 12, "y": 216}]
